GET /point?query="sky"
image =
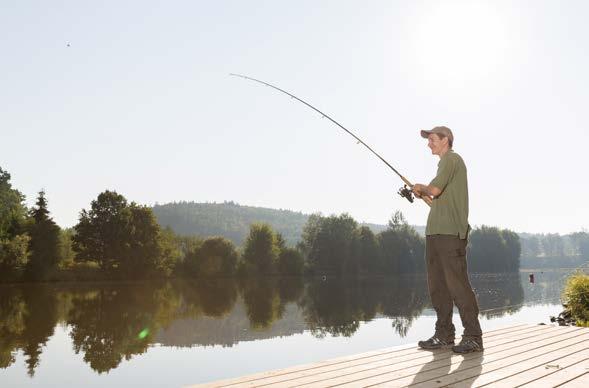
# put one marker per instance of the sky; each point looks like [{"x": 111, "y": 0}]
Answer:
[{"x": 136, "y": 97}]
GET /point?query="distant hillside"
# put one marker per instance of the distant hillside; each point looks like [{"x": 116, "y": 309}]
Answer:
[
  {"x": 231, "y": 220},
  {"x": 227, "y": 219}
]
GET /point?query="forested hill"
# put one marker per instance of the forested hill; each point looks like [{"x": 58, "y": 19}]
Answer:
[
  {"x": 227, "y": 219},
  {"x": 231, "y": 220}
]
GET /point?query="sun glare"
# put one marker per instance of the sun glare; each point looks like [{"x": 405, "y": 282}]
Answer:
[{"x": 461, "y": 41}]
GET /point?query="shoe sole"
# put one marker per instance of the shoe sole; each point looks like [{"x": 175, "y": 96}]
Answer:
[
  {"x": 467, "y": 351},
  {"x": 435, "y": 347}
]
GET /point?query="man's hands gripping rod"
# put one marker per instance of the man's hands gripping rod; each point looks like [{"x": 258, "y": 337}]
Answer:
[{"x": 423, "y": 192}]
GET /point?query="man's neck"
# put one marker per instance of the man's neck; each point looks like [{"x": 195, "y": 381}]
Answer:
[{"x": 443, "y": 152}]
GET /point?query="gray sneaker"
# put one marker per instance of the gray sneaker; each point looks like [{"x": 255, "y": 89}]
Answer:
[
  {"x": 435, "y": 342},
  {"x": 468, "y": 345}
]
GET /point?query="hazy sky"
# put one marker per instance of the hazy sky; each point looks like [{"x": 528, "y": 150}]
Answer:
[{"x": 141, "y": 102}]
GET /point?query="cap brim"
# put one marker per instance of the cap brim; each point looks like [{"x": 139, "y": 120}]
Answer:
[{"x": 425, "y": 134}]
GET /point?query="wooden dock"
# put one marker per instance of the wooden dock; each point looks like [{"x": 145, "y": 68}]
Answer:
[{"x": 521, "y": 355}]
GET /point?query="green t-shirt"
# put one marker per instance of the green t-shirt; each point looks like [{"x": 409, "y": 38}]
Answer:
[{"x": 449, "y": 211}]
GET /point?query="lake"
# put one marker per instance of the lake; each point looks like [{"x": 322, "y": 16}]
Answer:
[{"x": 174, "y": 333}]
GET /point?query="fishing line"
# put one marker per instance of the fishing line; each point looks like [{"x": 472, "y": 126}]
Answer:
[{"x": 403, "y": 192}]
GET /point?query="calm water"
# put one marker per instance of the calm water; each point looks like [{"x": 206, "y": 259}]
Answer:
[{"x": 178, "y": 333}]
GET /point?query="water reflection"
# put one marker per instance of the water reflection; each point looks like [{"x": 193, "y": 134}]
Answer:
[
  {"x": 28, "y": 316},
  {"x": 498, "y": 294},
  {"x": 116, "y": 322},
  {"x": 109, "y": 323}
]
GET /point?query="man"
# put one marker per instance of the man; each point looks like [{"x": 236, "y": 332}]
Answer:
[{"x": 445, "y": 249}]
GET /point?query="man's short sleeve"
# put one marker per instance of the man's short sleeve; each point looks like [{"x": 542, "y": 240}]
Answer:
[{"x": 445, "y": 172}]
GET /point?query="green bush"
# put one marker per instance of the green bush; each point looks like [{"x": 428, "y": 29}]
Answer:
[
  {"x": 576, "y": 297},
  {"x": 216, "y": 256},
  {"x": 261, "y": 250}
]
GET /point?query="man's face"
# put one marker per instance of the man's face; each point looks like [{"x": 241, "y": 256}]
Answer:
[{"x": 436, "y": 144}]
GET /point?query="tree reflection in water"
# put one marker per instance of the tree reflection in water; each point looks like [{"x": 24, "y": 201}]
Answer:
[
  {"x": 210, "y": 297},
  {"x": 110, "y": 323},
  {"x": 265, "y": 299},
  {"x": 12, "y": 324},
  {"x": 331, "y": 307},
  {"x": 28, "y": 316},
  {"x": 404, "y": 301},
  {"x": 106, "y": 325},
  {"x": 262, "y": 302}
]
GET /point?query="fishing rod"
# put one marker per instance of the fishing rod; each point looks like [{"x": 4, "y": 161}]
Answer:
[{"x": 404, "y": 191}]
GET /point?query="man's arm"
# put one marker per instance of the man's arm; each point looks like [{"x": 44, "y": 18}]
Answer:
[
  {"x": 438, "y": 184},
  {"x": 425, "y": 190}
]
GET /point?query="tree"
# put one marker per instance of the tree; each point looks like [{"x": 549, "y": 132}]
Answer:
[
  {"x": 309, "y": 233},
  {"x": 45, "y": 241},
  {"x": 14, "y": 240},
  {"x": 12, "y": 209},
  {"x": 493, "y": 250},
  {"x": 329, "y": 243},
  {"x": 513, "y": 249},
  {"x": 171, "y": 251},
  {"x": 144, "y": 254},
  {"x": 100, "y": 234},
  {"x": 581, "y": 240},
  {"x": 337, "y": 245},
  {"x": 66, "y": 252},
  {"x": 402, "y": 248},
  {"x": 14, "y": 254},
  {"x": 261, "y": 249},
  {"x": 290, "y": 262},
  {"x": 398, "y": 222},
  {"x": 366, "y": 252},
  {"x": 530, "y": 246},
  {"x": 214, "y": 257},
  {"x": 553, "y": 245},
  {"x": 123, "y": 237}
]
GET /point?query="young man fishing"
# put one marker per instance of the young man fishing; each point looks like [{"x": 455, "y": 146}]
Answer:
[{"x": 445, "y": 248}]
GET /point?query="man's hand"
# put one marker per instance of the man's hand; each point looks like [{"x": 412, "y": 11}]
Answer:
[
  {"x": 417, "y": 190},
  {"x": 425, "y": 191}
]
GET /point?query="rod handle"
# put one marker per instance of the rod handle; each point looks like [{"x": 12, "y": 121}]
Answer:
[{"x": 428, "y": 201}]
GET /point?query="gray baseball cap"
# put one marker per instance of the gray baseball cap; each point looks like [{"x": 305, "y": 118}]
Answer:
[{"x": 445, "y": 131}]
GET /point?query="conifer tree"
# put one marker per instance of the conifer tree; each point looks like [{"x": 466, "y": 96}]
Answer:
[{"x": 45, "y": 241}]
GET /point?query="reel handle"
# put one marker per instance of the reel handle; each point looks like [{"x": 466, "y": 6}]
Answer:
[{"x": 406, "y": 192}]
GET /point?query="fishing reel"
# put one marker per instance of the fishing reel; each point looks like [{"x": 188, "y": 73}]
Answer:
[{"x": 406, "y": 192}]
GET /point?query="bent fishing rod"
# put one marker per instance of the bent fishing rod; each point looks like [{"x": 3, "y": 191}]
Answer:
[{"x": 404, "y": 191}]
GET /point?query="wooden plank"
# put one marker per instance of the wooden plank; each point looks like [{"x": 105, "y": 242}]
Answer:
[
  {"x": 513, "y": 356},
  {"x": 343, "y": 362},
  {"x": 304, "y": 367},
  {"x": 579, "y": 382},
  {"x": 477, "y": 375},
  {"x": 419, "y": 358},
  {"x": 442, "y": 365},
  {"x": 414, "y": 355},
  {"x": 568, "y": 368}
]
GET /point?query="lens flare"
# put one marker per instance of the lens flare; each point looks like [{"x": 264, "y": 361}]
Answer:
[{"x": 143, "y": 333}]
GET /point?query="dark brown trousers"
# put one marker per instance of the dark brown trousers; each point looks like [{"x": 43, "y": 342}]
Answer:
[{"x": 448, "y": 283}]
